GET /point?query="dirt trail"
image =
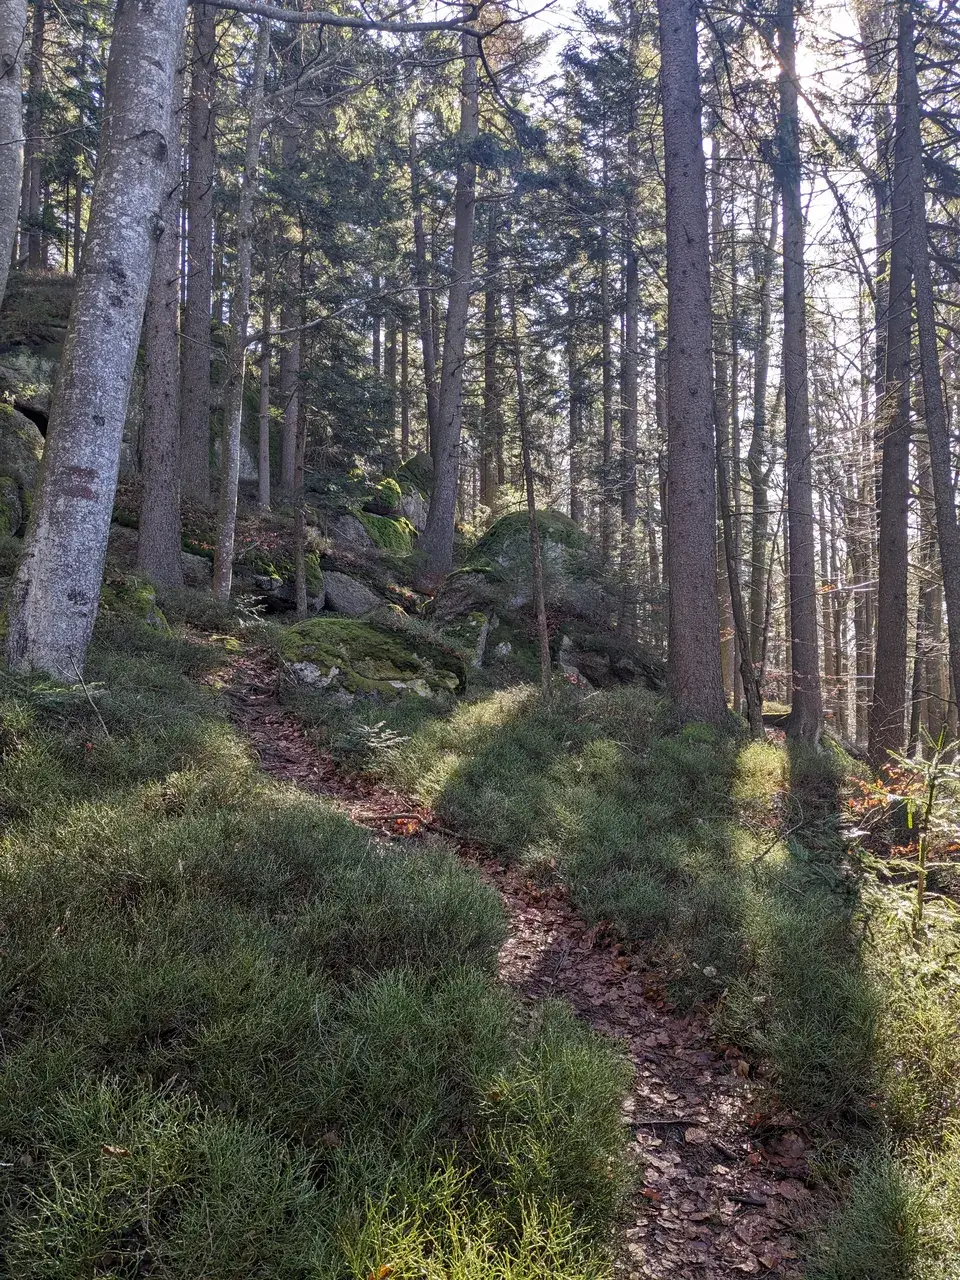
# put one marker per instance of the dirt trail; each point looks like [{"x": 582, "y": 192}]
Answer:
[{"x": 718, "y": 1196}]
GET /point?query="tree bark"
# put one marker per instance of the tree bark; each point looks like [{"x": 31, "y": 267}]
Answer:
[
  {"x": 30, "y": 203},
  {"x": 805, "y": 722},
  {"x": 887, "y": 710},
  {"x": 423, "y": 296},
  {"x": 266, "y": 352},
  {"x": 239, "y": 317},
  {"x": 159, "y": 542},
  {"x": 574, "y": 410},
  {"x": 436, "y": 544},
  {"x": 606, "y": 379},
  {"x": 492, "y": 414},
  {"x": 694, "y": 625},
  {"x": 935, "y": 411},
  {"x": 13, "y": 26},
  {"x": 54, "y": 598},
  {"x": 195, "y": 404},
  {"x": 758, "y": 467},
  {"x": 536, "y": 557}
]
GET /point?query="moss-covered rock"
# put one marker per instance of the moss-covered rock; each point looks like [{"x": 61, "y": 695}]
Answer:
[
  {"x": 21, "y": 447},
  {"x": 388, "y": 533},
  {"x": 386, "y": 498},
  {"x": 416, "y": 475},
  {"x": 369, "y": 658},
  {"x": 509, "y": 537},
  {"x": 11, "y": 506},
  {"x": 130, "y": 597}
]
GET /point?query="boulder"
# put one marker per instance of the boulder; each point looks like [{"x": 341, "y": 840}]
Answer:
[
  {"x": 348, "y": 531},
  {"x": 197, "y": 570},
  {"x": 348, "y": 595},
  {"x": 504, "y": 553},
  {"x": 21, "y": 448},
  {"x": 414, "y": 507},
  {"x": 345, "y": 654},
  {"x": 12, "y": 514},
  {"x": 462, "y": 593}
]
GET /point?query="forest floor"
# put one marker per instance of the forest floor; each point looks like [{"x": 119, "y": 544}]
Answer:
[{"x": 714, "y": 1194}]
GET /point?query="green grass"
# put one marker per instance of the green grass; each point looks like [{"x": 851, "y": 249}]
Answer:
[
  {"x": 241, "y": 1038},
  {"x": 721, "y": 859}
]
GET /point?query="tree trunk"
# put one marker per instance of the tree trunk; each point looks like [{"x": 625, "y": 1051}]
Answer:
[
  {"x": 536, "y": 558},
  {"x": 806, "y": 714},
  {"x": 54, "y": 599},
  {"x": 492, "y": 424},
  {"x": 404, "y": 385},
  {"x": 886, "y": 716},
  {"x": 436, "y": 544},
  {"x": 195, "y": 405},
  {"x": 239, "y": 316},
  {"x": 629, "y": 417},
  {"x": 30, "y": 203},
  {"x": 935, "y": 412},
  {"x": 694, "y": 626},
  {"x": 606, "y": 377},
  {"x": 266, "y": 352},
  {"x": 159, "y": 542},
  {"x": 423, "y": 296},
  {"x": 575, "y": 411},
  {"x": 13, "y": 25},
  {"x": 758, "y": 467}
]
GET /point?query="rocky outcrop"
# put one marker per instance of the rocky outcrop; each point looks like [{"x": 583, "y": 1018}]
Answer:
[
  {"x": 369, "y": 658},
  {"x": 21, "y": 448},
  {"x": 349, "y": 596}
]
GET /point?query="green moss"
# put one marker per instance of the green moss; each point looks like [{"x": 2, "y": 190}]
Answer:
[
  {"x": 389, "y": 534},
  {"x": 506, "y": 534},
  {"x": 388, "y": 494},
  {"x": 371, "y": 657},
  {"x": 416, "y": 475},
  {"x": 132, "y": 599},
  {"x": 282, "y": 568}
]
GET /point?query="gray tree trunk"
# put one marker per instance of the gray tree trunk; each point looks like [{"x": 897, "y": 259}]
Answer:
[
  {"x": 239, "y": 316},
  {"x": 888, "y": 708},
  {"x": 806, "y": 710},
  {"x": 13, "y": 26},
  {"x": 935, "y": 410},
  {"x": 423, "y": 296},
  {"x": 195, "y": 404},
  {"x": 54, "y": 598},
  {"x": 436, "y": 544},
  {"x": 30, "y": 206},
  {"x": 758, "y": 464},
  {"x": 694, "y": 624},
  {"x": 158, "y": 545}
]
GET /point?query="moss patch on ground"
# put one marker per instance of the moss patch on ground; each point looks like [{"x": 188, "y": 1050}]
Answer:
[
  {"x": 372, "y": 658},
  {"x": 242, "y": 1038}
]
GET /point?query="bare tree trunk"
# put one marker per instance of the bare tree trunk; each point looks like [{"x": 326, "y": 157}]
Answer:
[
  {"x": 30, "y": 202},
  {"x": 492, "y": 423},
  {"x": 935, "y": 411},
  {"x": 423, "y": 296},
  {"x": 195, "y": 404},
  {"x": 806, "y": 713},
  {"x": 575, "y": 411},
  {"x": 436, "y": 544},
  {"x": 266, "y": 352},
  {"x": 404, "y": 385},
  {"x": 606, "y": 375},
  {"x": 159, "y": 554},
  {"x": 54, "y": 598},
  {"x": 290, "y": 356},
  {"x": 758, "y": 466},
  {"x": 694, "y": 630},
  {"x": 13, "y": 25},
  {"x": 536, "y": 558},
  {"x": 629, "y": 416},
  {"x": 239, "y": 316},
  {"x": 886, "y": 718}
]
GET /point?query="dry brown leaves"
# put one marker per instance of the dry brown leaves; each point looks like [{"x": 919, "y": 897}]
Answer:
[{"x": 721, "y": 1192}]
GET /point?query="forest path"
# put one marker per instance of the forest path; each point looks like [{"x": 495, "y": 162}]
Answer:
[{"x": 717, "y": 1196}]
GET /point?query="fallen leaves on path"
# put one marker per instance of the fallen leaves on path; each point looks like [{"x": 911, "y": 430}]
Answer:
[{"x": 716, "y": 1195}]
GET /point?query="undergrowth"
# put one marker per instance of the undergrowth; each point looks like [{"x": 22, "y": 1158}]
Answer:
[
  {"x": 723, "y": 860},
  {"x": 241, "y": 1038}
]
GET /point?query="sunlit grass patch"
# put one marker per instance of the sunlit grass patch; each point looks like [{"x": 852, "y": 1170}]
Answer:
[{"x": 232, "y": 1022}]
